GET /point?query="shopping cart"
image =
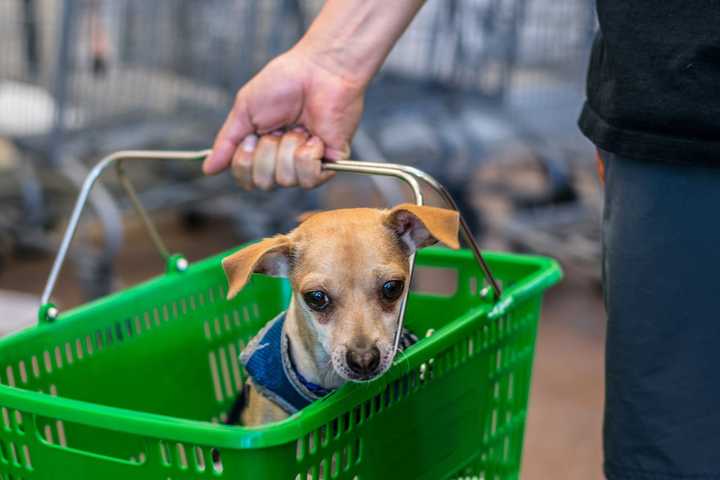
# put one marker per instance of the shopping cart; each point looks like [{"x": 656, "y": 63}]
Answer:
[{"x": 135, "y": 385}]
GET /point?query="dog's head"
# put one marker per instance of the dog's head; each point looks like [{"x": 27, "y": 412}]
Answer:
[{"x": 349, "y": 270}]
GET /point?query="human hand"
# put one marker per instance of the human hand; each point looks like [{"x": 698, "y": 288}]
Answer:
[{"x": 296, "y": 111}]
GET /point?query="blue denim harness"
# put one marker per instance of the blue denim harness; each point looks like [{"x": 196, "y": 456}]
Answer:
[{"x": 268, "y": 362}]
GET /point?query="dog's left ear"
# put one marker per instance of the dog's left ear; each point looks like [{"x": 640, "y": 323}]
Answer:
[
  {"x": 420, "y": 226},
  {"x": 269, "y": 256}
]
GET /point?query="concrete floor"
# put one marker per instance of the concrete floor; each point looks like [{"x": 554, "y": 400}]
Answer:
[
  {"x": 563, "y": 437},
  {"x": 563, "y": 432}
]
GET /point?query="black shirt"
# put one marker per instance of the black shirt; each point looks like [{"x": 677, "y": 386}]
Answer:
[{"x": 653, "y": 89}]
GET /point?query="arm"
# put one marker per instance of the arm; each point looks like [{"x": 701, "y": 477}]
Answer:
[
  {"x": 355, "y": 36},
  {"x": 306, "y": 104}
]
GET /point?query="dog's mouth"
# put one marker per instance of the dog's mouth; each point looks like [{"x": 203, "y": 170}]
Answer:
[
  {"x": 341, "y": 367},
  {"x": 351, "y": 376},
  {"x": 361, "y": 378}
]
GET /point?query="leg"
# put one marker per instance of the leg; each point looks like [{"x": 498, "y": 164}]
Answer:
[
  {"x": 259, "y": 410},
  {"x": 661, "y": 265}
]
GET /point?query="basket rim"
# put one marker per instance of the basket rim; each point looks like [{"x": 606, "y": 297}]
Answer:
[{"x": 547, "y": 273}]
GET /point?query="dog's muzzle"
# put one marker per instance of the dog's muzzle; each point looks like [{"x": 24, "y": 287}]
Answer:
[{"x": 363, "y": 362}]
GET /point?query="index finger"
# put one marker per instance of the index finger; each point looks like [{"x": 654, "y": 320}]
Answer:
[{"x": 237, "y": 126}]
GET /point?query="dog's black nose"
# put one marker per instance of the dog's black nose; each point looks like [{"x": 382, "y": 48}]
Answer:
[{"x": 363, "y": 361}]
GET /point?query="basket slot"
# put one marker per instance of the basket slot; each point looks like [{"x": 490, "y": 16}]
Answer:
[
  {"x": 23, "y": 372},
  {"x": 35, "y": 366},
  {"x": 235, "y": 364},
  {"x": 198, "y": 458},
  {"x": 10, "y": 375},
  {"x": 182, "y": 459},
  {"x": 229, "y": 388},
  {"x": 217, "y": 463},
  {"x": 217, "y": 387},
  {"x": 335, "y": 465},
  {"x": 89, "y": 440},
  {"x": 58, "y": 357}
]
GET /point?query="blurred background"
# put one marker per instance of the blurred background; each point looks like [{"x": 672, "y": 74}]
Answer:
[{"x": 482, "y": 94}]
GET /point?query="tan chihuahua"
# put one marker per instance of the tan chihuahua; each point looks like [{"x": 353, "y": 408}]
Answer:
[{"x": 349, "y": 271}]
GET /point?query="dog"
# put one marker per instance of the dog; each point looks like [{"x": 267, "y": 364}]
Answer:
[{"x": 348, "y": 270}]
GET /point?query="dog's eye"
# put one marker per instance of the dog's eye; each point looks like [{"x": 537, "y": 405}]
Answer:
[
  {"x": 317, "y": 300},
  {"x": 392, "y": 290}
]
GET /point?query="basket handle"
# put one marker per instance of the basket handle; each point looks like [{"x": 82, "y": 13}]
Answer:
[{"x": 410, "y": 175}]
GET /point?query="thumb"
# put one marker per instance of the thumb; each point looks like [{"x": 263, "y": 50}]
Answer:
[
  {"x": 341, "y": 152},
  {"x": 237, "y": 126}
]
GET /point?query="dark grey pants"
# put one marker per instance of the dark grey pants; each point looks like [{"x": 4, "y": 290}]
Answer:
[{"x": 662, "y": 293}]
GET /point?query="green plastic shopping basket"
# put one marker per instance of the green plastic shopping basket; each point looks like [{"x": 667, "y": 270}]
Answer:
[{"x": 136, "y": 385}]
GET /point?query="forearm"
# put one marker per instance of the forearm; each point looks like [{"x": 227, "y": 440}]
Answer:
[{"x": 352, "y": 38}]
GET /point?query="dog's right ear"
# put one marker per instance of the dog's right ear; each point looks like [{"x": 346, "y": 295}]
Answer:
[
  {"x": 419, "y": 225},
  {"x": 269, "y": 256}
]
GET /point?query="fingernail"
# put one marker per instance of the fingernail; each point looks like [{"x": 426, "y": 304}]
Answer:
[
  {"x": 298, "y": 129},
  {"x": 278, "y": 133},
  {"x": 206, "y": 165},
  {"x": 249, "y": 143},
  {"x": 314, "y": 141}
]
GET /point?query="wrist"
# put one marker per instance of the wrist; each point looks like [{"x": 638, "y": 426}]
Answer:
[
  {"x": 335, "y": 58},
  {"x": 351, "y": 38}
]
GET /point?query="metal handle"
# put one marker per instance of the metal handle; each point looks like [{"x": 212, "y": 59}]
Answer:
[
  {"x": 48, "y": 311},
  {"x": 411, "y": 176},
  {"x": 406, "y": 173}
]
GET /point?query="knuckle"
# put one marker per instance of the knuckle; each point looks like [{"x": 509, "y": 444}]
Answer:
[
  {"x": 244, "y": 161},
  {"x": 304, "y": 161},
  {"x": 317, "y": 181},
  {"x": 265, "y": 186},
  {"x": 240, "y": 171},
  {"x": 283, "y": 179},
  {"x": 308, "y": 181},
  {"x": 284, "y": 182},
  {"x": 244, "y": 184},
  {"x": 304, "y": 180},
  {"x": 263, "y": 181}
]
